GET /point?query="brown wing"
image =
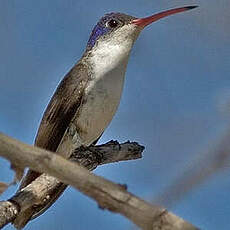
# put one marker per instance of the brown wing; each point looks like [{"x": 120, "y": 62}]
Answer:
[{"x": 60, "y": 111}]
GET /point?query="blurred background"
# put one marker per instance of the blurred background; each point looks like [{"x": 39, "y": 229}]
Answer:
[{"x": 175, "y": 102}]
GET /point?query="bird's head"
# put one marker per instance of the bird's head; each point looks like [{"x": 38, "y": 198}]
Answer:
[
  {"x": 112, "y": 38},
  {"x": 122, "y": 29}
]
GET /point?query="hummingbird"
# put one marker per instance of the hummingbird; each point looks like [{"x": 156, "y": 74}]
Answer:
[{"x": 88, "y": 96}]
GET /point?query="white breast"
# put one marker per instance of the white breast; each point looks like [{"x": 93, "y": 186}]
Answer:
[{"x": 103, "y": 92}]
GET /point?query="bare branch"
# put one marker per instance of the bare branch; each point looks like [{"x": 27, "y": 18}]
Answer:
[
  {"x": 108, "y": 195},
  {"x": 45, "y": 188},
  {"x": 40, "y": 191},
  {"x": 8, "y": 211}
]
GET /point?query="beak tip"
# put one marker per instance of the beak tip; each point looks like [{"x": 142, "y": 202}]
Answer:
[
  {"x": 142, "y": 22},
  {"x": 190, "y": 7}
]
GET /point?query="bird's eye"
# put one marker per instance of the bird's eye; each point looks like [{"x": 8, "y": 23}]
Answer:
[{"x": 112, "y": 23}]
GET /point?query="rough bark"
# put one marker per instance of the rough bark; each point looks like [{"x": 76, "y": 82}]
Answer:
[{"x": 109, "y": 195}]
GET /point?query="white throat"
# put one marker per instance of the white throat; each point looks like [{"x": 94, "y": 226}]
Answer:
[
  {"x": 110, "y": 57},
  {"x": 111, "y": 54}
]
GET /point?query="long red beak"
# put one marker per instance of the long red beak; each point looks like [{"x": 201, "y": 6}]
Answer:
[{"x": 146, "y": 21}]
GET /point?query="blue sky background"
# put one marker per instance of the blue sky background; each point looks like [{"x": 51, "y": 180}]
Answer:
[{"x": 174, "y": 102}]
